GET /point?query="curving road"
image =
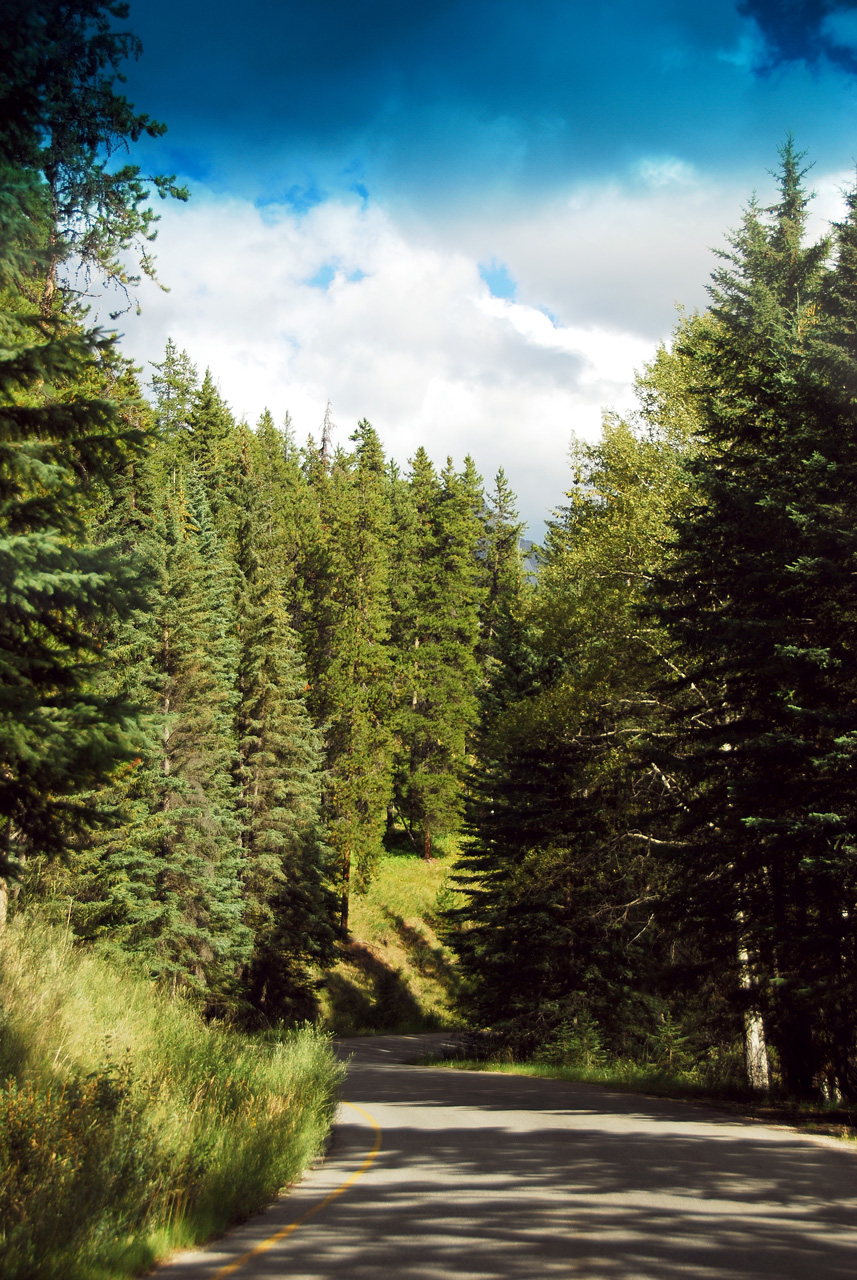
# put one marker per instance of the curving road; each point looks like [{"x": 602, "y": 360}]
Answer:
[{"x": 435, "y": 1174}]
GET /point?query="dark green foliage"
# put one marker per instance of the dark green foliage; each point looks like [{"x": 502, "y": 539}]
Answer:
[
  {"x": 61, "y": 732},
  {"x": 435, "y": 633},
  {"x": 208, "y": 433},
  {"x": 760, "y": 596},
  {"x": 289, "y": 905},
  {"x": 175, "y": 384},
  {"x": 351, "y": 660},
  {"x": 557, "y": 927},
  {"x": 61, "y": 120},
  {"x": 166, "y": 883}
]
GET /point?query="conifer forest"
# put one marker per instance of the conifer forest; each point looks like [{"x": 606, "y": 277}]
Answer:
[{"x": 240, "y": 664}]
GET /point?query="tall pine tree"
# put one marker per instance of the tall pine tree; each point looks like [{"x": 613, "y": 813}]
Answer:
[{"x": 755, "y": 596}]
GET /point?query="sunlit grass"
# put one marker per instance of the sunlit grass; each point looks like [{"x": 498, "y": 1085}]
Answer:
[
  {"x": 128, "y": 1126},
  {"x": 395, "y": 974}
]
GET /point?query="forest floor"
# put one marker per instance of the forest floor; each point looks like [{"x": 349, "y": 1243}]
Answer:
[{"x": 394, "y": 973}]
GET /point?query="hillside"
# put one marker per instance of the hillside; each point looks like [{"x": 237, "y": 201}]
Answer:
[{"x": 395, "y": 974}]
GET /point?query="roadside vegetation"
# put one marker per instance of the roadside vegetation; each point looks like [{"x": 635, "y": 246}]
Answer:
[
  {"x": 128, "y": 1126},
  {"x": 828, "y": 1118}
]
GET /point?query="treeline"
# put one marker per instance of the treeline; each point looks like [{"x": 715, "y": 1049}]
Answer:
[
  {"x": 298, "y": 665},
  {"x": 664, "y": 818},
  {"x": 229, "y": 664}
]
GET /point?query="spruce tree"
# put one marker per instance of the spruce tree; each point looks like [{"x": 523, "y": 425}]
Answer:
[
  {"x": 210, "y": 428},
  {"x": 61, "y": 733},
  {"x": 166, "y": 883},
  {"x": 286, "y": 873},
  {"x": 501, "y": 573},
  {"x": 435, "y": 636},
  {"x": 349, "y": 654},
  {"x": 176, "y": 385},
  {"x": 756, "y": 596},
  {"x": 559, "y": 890},
  {"x": 61, "y": 118}
]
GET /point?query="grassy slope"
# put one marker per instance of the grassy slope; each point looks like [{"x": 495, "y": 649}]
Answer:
[
  {"x": 128, "y": 1126},
  {"x": 395, "y": 974}
]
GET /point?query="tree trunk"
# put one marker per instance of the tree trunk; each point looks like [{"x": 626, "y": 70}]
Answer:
[
  {"x": 755, "y": 1046},
  {"x": 343, "y": 902}
]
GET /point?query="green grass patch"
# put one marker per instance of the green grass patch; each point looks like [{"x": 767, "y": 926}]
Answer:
[
  {"x": 128, "y": 1126},
  {"x": 394, "y": 973}
]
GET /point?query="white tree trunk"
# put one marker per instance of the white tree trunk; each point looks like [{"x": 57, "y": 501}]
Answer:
[{"x": 755, "y": 1048}]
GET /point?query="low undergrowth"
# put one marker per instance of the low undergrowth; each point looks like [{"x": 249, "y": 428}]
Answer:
[{"x": 128, "y": 1126}]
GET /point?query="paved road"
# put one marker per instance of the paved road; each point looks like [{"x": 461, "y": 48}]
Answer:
[{"x": 494, "y": 1177}]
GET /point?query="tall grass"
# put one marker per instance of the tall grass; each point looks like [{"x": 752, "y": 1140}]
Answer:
[{"x": 128, "y": 1126}]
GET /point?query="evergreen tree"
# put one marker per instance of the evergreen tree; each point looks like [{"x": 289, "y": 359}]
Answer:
[
  {"x": 435, "y": 635},
  {"x": 560, "y": 892},
  {"x": 61, "y": 733},
  {"x": 176, "y": 384},
  {"x": 294, "y": 512},
  {"x": 286, "y": 889},
  {"x": 61, "y": 120},
  {"x": 210, "y": 429},
  {"x": 502, "y": 579},
  {"x": 165, "y": 884},
  {"x": 349, "y": 654},
  {"x": 760, "y": 595}
]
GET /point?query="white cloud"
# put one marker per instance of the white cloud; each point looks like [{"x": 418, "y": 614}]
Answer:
[
  {"x": 666, "y": 171},
  {"x": 407, "y": 333}
]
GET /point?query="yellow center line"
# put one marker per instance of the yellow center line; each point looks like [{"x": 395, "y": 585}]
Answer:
[{"x": 265, "y": 1245}]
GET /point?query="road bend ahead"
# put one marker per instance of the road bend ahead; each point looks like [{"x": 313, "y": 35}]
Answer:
[{"x": 435, "y": 1174}]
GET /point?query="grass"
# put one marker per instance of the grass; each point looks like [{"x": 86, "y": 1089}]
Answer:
[
  {"x": 129, "y": 1127},
  {"x": 395, "y": 974}
]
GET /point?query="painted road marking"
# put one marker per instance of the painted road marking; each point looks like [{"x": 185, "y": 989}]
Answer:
[{"x": 265, "y": 1245}]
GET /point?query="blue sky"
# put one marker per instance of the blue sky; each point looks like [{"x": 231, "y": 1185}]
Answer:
[{"x": 507, "y": 198}]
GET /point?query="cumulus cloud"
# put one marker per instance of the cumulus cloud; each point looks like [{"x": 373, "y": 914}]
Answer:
[{"x": 400, "y": 324}]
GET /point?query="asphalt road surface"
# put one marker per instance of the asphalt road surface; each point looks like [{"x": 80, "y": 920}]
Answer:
[{"x": 435, "y": 1174}]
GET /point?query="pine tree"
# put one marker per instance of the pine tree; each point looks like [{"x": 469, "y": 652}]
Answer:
[
  {"x": 289, "y": 904},
  {"x": 210, "y": 428},
  {"x": 165, "y": 884},
  {"x": 349, "y": 654},
  {"x": 176, "y": 384},
  {"x": 435, "y": 636},
  {"x": 60, "y": 121},
  {"x": 294, "y": 512},
  {"x": 559, "y": 890},
  {"x": 756, "y": 595},
  {"x": 61, "y": 734},
  {"x": 502, "y": 579}
]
